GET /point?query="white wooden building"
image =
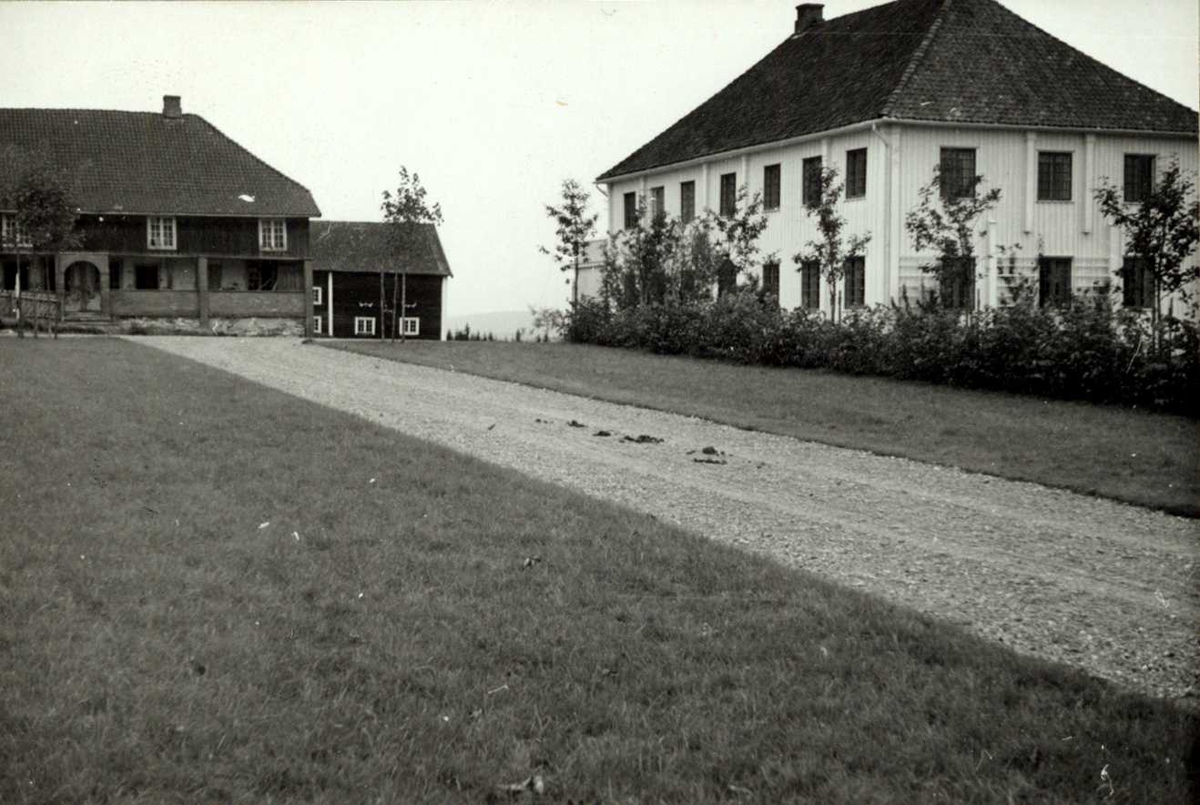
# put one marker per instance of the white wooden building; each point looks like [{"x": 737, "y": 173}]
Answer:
[{"x": 884, "y": 95}]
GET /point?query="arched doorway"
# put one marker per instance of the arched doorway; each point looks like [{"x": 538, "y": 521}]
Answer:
[{"x": 81, "y": 287}]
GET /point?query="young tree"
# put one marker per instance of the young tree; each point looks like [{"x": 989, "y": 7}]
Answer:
[
  {"x": 546, "y": 319},
  {"x": 737, "y": 244},
  {"x": 831, "y": 252},
  {"x": 44, "y": 216},
  {"x": 408, "y": 213},
  {"x": 946, "y": 222},
  {"x": 574, "y": 227},
  {"x": 1161, "y": 231}
]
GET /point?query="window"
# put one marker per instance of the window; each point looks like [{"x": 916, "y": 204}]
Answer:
[
  {"x": 726, "y": 277},
  {"x": 261, "y": 275},
  {"x": 160, "y": 233},
  {"x": 770, "y": 281},
  {"x": 771, "y": 187},
  {"x": 957, "y": 170},
  {"x": 411, "y": 325},
  {"x": 631, "y": 216},
  {"x": 317, "y": 325},
  {"x": 317, "y": 295},
  {"x": 856, "y": 282},
  {"x": 272, "y": 235},
  {"x": 364, "y": 325},
  {"x": 1054, "y": 176},
  {"x": 687, "y": 201},
  {"x": 13, "y": 234},
  {"x": 856, "y": 173},
  {"x": 1139, "y": 176},
  {"x": 1054, "y": 281},
  {"x": 145, "y": 276},
  {"x": 657, "y": 202},
  {"x": 810, "y": 285},
  {"x": 728, "y": 194},
  {"x": 114, "y": 274},
  {"x": 214, "y": 275},
  {"x": 812, "y": 182},
  {"x": 958, "y": 284},
  {"x": 1137, "y": 283}
]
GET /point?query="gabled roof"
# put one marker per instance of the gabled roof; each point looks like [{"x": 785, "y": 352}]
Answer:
[
  {"x": 147, "y": 163},
  {"x": 364, "y": 246},
  {"x": 956, "y": 61}
]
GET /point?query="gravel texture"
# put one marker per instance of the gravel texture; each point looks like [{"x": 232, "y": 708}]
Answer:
[{"x": 1105, "y": 586}]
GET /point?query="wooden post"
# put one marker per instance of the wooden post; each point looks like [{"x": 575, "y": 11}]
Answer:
[
  {"x": 403, "y": 301},
  {"x": 382, "y": 300},
  {"x": 202, "y": 290},
  {"x": 394, "y": 289}
]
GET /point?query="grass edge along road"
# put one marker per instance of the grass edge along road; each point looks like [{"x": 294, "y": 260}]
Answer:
[
  {"x": 213, "y": 591},
  {"x": 1148, "y": 459}
]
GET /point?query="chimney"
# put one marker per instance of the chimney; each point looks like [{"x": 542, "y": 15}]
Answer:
[
  {"x": 808, "y": 15},
  {"x": 173, "y": 107}
]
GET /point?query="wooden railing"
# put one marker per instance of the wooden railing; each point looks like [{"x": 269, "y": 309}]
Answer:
[{"x": 32, "y": 307}]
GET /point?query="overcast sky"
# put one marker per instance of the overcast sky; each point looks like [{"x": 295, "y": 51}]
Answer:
[{"x": 493, "y": 104}]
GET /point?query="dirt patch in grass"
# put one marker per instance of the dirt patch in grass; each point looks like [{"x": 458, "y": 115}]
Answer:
[
  {"x": 213, "y": 591},
  {"x": 1140, "y": 457}
]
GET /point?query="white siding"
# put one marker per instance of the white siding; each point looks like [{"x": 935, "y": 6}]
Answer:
[{"x": 1006, "y": 158}]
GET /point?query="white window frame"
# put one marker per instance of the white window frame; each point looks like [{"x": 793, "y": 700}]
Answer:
[
  {"x": 364, "y": 325},
  {"x": 317, "y": 325},
  {"x": 162, "y": 244},
  {"x": 272, "y": 235},
  {"x": 411, "y": 325},
  {"x": 318, "y": 295},
  {"x": 10, "y": 228}
]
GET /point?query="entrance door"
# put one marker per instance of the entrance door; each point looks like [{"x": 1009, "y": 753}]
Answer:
[{"x": 81, "y": 284}]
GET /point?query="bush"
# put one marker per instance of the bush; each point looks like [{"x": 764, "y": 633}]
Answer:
[{"x": 1086, "y": 351}]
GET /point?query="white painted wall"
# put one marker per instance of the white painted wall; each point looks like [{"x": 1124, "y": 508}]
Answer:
[{"x": 900, "y": 160}]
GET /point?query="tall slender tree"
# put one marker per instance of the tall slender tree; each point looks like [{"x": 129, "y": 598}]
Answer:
[
  {"x": 573, "y": 229},
  {"x": 832, "y": 251},
  {"x": 408, "y": 213}
]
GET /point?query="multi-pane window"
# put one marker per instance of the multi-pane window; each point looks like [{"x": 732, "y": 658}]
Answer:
[
  {"x": 1054, "y": 176},
  {"x": 856, "y": 173},
  {"x": 317, "y": 322},
  {"x": 631, "y": 216},
  {"x": 726, "y": 277},
  {"x": 770, "y": 281},
  {"x": 364, "y": 325},
  {"x": 1137, "y": 283},
  {"x": 272, "y": 235},
  {"x": 810, "y": 285},
  {"x": 687, "y": 201},
  {"x": 728, "y": 194},
  {"x": 856, "y": 282},
  {"x": 812, "y": 182},
  {"x": 160, "y": 233},
  {"x": 657, "y": 202},
  {"x": 1139, "y": 176},
  {"x": 771, "y": 175},
  {"x": 958, "y": 283},
  {"x": 411, "y": 325},
  {"x": 13, "y": 234},
  {"x": 957, "y": 171},
  {"x": 1054, "y": 281},
  {"x": 318, "y": 296}
]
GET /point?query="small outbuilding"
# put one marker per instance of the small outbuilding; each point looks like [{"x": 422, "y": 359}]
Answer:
[{"x": 357, "y": 282}]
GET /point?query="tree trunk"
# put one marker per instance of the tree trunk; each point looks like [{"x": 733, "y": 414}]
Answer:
[
  {"x": 394, "y": 284},
  {"x": 17, "y": 299},
  {"x": 382, "y": 309}
]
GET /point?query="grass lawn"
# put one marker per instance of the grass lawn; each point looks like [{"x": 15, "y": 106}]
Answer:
[
  {"x": 211, "y": 591},
  {"x": 1140, "y": 457}
]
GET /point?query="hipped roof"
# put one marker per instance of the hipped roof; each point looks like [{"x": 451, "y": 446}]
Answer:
[{"x": 949, "y": 61}]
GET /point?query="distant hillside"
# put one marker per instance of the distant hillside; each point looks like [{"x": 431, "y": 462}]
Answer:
[{"x": 500, "y": 323}]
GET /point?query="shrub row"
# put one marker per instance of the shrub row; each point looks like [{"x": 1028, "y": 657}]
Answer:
[{"x": 1087, "y": 351}]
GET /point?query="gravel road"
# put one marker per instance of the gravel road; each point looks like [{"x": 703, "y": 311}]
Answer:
[{"x": 1105, "y": 586}]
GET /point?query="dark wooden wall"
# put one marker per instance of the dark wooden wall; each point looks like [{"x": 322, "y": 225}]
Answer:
[
  {"x": 213, "y": 237},
  {"x": 357, "y": 294}
]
